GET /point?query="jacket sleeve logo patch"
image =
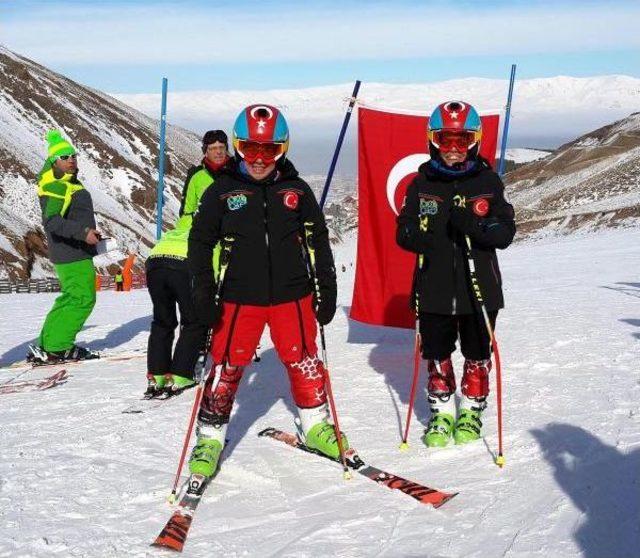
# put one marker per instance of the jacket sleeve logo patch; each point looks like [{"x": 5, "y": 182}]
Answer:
[
  {"x": 236, "y": 202},
  {"x": 481, "y": 207},
  {"x": 428, "y": 207},
  {"x": 291, "y": 200}
]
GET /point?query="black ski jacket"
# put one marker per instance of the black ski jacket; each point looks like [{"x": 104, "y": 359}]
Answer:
[
  {"x": 267, "y": 264},
  {"x": 443, "y": 282}
]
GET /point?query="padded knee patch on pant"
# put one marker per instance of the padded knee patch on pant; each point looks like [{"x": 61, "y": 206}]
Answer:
[
  {"x": 475, "y": 379},
  {"x": 216, "y": 404},
  {"x": 442, "y": 382},
  {"x": 307, "y": 382}
]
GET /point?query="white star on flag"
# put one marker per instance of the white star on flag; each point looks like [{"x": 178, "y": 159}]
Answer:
[
  {"x": 454, "y": 115},
  {"x": 261, "y": 124}
]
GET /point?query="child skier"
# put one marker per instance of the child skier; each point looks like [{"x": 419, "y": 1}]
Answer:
[
  {"x": 455, "y": 195},
  {"x": 70, "y": 225},
  {"x": 263, "y": 204},
  {"x": 169, "y": 283}
]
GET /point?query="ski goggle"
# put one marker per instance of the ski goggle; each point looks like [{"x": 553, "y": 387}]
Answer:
[
  {"x": 460, "y": 140},
  {"x": 251, "y": 151},
  {"x": 65, "y": 157}
]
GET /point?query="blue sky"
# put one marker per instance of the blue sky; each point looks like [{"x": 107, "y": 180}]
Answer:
[{"x": 124, "y": 46}]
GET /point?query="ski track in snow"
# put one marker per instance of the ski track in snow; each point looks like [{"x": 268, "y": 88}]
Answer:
[{"x": 79, "y": 478}]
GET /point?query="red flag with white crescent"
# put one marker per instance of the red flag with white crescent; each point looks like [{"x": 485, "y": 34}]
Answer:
[{"x": 391, "y": 147}]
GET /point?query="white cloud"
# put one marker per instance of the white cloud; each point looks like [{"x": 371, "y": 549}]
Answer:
[{"x": 170, "y": 34}]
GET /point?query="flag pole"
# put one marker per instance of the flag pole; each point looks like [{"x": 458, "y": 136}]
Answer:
[
  {"x": 336, "y": 153},
  {"x": 507, "y": 117},
  {"x": 160, "y": 191}
]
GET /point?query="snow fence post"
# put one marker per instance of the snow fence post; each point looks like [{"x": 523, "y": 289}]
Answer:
[
  {"x": 505, "y": 128},
  {"x": 163, "y": 126},
  {"x": 336, "y": 153}
]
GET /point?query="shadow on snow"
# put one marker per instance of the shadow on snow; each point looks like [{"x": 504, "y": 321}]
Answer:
[{"x": 602, "y": 482}]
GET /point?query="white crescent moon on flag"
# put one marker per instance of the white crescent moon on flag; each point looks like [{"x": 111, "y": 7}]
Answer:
[{"x": 402, "y": 168}]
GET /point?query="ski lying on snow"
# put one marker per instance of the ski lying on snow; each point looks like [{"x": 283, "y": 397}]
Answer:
[
  {"x": 174, "y": 534},
  {"x": 53, "y": 380},
  {"x": 423, "y": 494},
  {"x": 110, "y": 357}
]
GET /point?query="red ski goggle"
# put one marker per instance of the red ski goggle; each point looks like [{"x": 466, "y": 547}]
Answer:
[
  {"x": 251, "y": 151},
  {"x": 460, "y": 140}
]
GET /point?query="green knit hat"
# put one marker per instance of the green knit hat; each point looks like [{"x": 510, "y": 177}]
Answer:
[{"x": 58, "y": 146}]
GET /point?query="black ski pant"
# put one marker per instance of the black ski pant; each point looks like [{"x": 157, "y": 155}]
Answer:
[
  {"x": 169, "y": 285},
  {"x": 439, "y": 334}
]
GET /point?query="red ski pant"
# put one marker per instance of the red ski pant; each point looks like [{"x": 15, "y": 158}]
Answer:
[{"x": 293, "y": 330}]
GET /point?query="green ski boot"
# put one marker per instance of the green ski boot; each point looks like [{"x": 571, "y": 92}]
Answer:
[
  {"x": 468, "y": 426},
  {"x": 439, "y": 431},
  {"x": 204, "y": 457},
  {"x": 175, "y": 384},
  {"x": 322, "y": 437},
  {"x": 155, "y": 385}
]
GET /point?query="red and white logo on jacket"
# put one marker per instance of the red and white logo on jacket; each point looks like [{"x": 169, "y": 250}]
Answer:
[
  {"x": 290, "y": 200},
  {"x": 481, "y": 207}
]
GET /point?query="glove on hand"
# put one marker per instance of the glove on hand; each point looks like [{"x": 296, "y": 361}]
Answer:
[
  {"x": 326, "y": 307},
  {"x": 464, "y": 220},
  {"x": 208, "y": 312}
]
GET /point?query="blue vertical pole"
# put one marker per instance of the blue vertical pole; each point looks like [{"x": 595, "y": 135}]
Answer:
[
  {"x": 163, "y": 127},
  {"x": 507, "y": 116},
  {"x": 336, "y": 153}
]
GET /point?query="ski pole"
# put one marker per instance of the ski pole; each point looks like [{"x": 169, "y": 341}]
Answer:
[
  {"x": 475, "y": 287},
  {"x": 424, "y": 225},
  {"x": 308, "y": 236},
  {"x": 225, "y": 255},
  {"x": 493, "y": 342}
]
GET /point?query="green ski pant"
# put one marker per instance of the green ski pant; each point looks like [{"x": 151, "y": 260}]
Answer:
[{"x": 72, "y": 308}]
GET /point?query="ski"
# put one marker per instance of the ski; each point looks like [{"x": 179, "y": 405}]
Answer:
[
  {"x": 147, "y": 403},
  {"x": 423, "y": 494},
  {"x": 174, "y": 534},
  {"x": 110, "y": 357},
  {"x": 49, "y": 382}
]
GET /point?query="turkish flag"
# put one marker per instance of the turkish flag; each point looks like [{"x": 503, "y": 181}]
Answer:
[{"x": 391, "y": 147}]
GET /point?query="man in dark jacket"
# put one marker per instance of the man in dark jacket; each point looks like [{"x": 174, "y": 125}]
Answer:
[
  {"x": 456, "y": 194},
  {"x": 70, "y": 226},
  {"x": 263, "y": 204}
]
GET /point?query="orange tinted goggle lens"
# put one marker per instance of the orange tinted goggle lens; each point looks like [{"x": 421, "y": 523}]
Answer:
[
  {"x": 254, "y": 149},
  {"x": 460, "y": 140}
]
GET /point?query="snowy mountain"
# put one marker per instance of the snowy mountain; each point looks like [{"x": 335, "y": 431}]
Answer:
[
  {"x": 591, "y": 182},
  {"x": 546, "y": 112},
  {"x": 117, "y": 159}
]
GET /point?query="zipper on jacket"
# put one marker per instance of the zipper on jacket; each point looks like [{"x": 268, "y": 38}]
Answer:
[
  {"x": 266, "y": 239},
  {"x": 455, "y": 271}
]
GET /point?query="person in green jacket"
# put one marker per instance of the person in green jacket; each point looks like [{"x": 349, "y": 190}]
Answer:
[
  {"x": 119, "y": 280},
  {"x": 169, "y": 283},
  {"x": 70, "y": 226}
]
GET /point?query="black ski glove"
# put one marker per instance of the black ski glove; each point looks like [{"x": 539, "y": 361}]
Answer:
[
  {"x": 326, "y": 308},
  {"x": 208, "y": 313},
  {"x": 464, "y": 220}
]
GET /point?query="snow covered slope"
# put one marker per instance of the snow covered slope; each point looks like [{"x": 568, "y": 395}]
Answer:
[
  {"x": 118, "y": 158},
  {"x": 594, "y": 181},
  {"x": 79, "y": 478}
]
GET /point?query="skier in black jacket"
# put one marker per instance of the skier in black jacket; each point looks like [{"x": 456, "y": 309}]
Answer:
[
  {"x": 455, "y": 194},
  {"x": 263, "y": 204}
]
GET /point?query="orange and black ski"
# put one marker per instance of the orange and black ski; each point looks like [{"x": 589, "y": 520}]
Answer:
[
  {"x": 423, "y": 494},
  {"x": 175, "y": 532}
]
